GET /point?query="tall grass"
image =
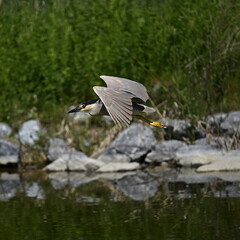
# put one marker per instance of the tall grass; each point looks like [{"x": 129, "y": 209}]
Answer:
[{"x": 52, "y": 52}]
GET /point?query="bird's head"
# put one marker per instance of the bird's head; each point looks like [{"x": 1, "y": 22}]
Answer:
[{"x": 84, "y": 107}]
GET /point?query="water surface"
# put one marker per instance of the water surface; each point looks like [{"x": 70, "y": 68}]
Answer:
[{"x": 164, "y": 204}]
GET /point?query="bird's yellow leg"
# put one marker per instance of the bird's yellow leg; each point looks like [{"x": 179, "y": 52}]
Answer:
[{"x": 155, "y": 124}]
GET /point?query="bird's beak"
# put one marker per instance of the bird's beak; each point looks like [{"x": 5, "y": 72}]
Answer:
[{"x": 76, "y": 109}]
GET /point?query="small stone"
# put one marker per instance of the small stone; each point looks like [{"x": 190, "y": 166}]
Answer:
[
  {"x": 57, "y": 147},
  {"x": 195, "y": 155},
  {"x": 76, "y": 161},
  {"x": 29, "y": 132},
  {"x": 177, "y": 129},
  {"x": 230, "y": 161},
  {"x": 164, "y": 151},
  {"x": 8, "y": 153},
  {"x": 5, "y": 130},
  {"x": 119, "y": 167},
  {"x": 58, "y": 165},
  {"x": 215, "y": 119},
  {"x": 79, "y": 116},
  {"x": 231, "y": 124}
]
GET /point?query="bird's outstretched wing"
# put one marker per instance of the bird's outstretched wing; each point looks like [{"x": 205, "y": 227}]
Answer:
[
  {"x": 118, "y": 104},
  {"x": 127, "y": 85}
]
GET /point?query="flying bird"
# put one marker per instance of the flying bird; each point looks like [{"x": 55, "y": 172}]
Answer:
[{"x": 122, "y": 99}]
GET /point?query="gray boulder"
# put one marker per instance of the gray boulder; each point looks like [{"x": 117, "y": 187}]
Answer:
[
  {"x": 132, "y": 144},
  {"x": 79, "y": 116},
  {"x": 227, "y": 123},
  {"x": 231, "y": 124},
  {"x": 215, "y": 120},
  {"x": 223, "y": 143},
  {"x": 164, "y": 151},
  {"x": 57, "y": 147},
  {"x": 230, "y": 161},
  {"x": 119, "y": 167},
  {"x": 76, "y": 161},
  {"x": 180, "y": 129},
  {"x": 9, "y": 153},
  {"x": 177, "y": 129},
  {"x": 5, "y": 130},
  {"x": 195, "y": 155},
  {"x": 29, "y": 132}
]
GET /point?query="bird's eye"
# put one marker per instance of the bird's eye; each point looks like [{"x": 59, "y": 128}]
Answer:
[{"x": 83, "y": 106}]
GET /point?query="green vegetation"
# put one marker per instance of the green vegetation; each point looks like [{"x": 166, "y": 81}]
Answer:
[{"x": 52, "y": 52}]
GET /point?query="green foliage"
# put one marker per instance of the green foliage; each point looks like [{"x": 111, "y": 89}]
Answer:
[{"x": 52, "y": 52}]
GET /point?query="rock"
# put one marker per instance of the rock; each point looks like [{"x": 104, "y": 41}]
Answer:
[
  {"x": 180, "y": 129},
  {"x": 29, "y": 132},
  {"x": 119, "y": 167},
  {"x": 108, "y": 120},
  {"x": 58, "y": 165},
  {"x": 140, "y": 186},
  {"x": 177, "y": 129},
  {"x": 76, "y": 161},
  {"x": 109, "y": 156},
  {"x": 9, "y": 153},
  {"x": 164, "y": 151},
  {"x": 79, "y": 116},
  {"x": 132, "y": 144},
  {"x": 230, "y": 161},
  {"x": 227, "y": 123},
  {"x": 57, "y": 147},
  {"x": 195, "y": 155},
  {"x": 215, "y": 119},
  {"x": 223, "y": 143},
  {"x": 5, "y": 130},
  {"x": 231, "y": 124},
  {"x": 84, "y": 164}
]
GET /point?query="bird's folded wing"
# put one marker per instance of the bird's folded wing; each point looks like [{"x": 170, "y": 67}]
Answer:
[
  {"x": 126, "y": 85},
  {"x": 118, "y": 104}
]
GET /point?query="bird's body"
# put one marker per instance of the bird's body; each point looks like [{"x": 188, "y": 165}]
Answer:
[{"x": 122, "y": 99}]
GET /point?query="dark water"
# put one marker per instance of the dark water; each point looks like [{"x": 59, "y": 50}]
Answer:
[{"x": 164, "y": 204}]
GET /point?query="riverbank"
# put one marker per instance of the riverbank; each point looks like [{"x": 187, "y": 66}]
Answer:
[{"x": 215, "y": 146}]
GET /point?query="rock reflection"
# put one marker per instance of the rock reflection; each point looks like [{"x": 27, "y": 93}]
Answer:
[
  {"x": 8, "y": 185},
  {"x": 140, "y": 186},
  {"x": 34, "y": 190}
]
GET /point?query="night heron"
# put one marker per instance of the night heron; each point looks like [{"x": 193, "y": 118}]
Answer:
[{"x": 122, "y": 99}]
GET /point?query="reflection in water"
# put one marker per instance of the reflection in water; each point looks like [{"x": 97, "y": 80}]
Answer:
[{"x": 164, "y": 204}]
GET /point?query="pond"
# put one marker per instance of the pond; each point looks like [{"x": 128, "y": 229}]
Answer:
[{"x": 164, "y": 204}]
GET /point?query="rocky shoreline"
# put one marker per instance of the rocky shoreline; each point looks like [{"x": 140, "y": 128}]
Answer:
[{"x": 216, "y": 147}]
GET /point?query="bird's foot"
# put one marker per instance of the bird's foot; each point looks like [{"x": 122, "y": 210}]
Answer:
[{"x": 157, "y": 124}]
